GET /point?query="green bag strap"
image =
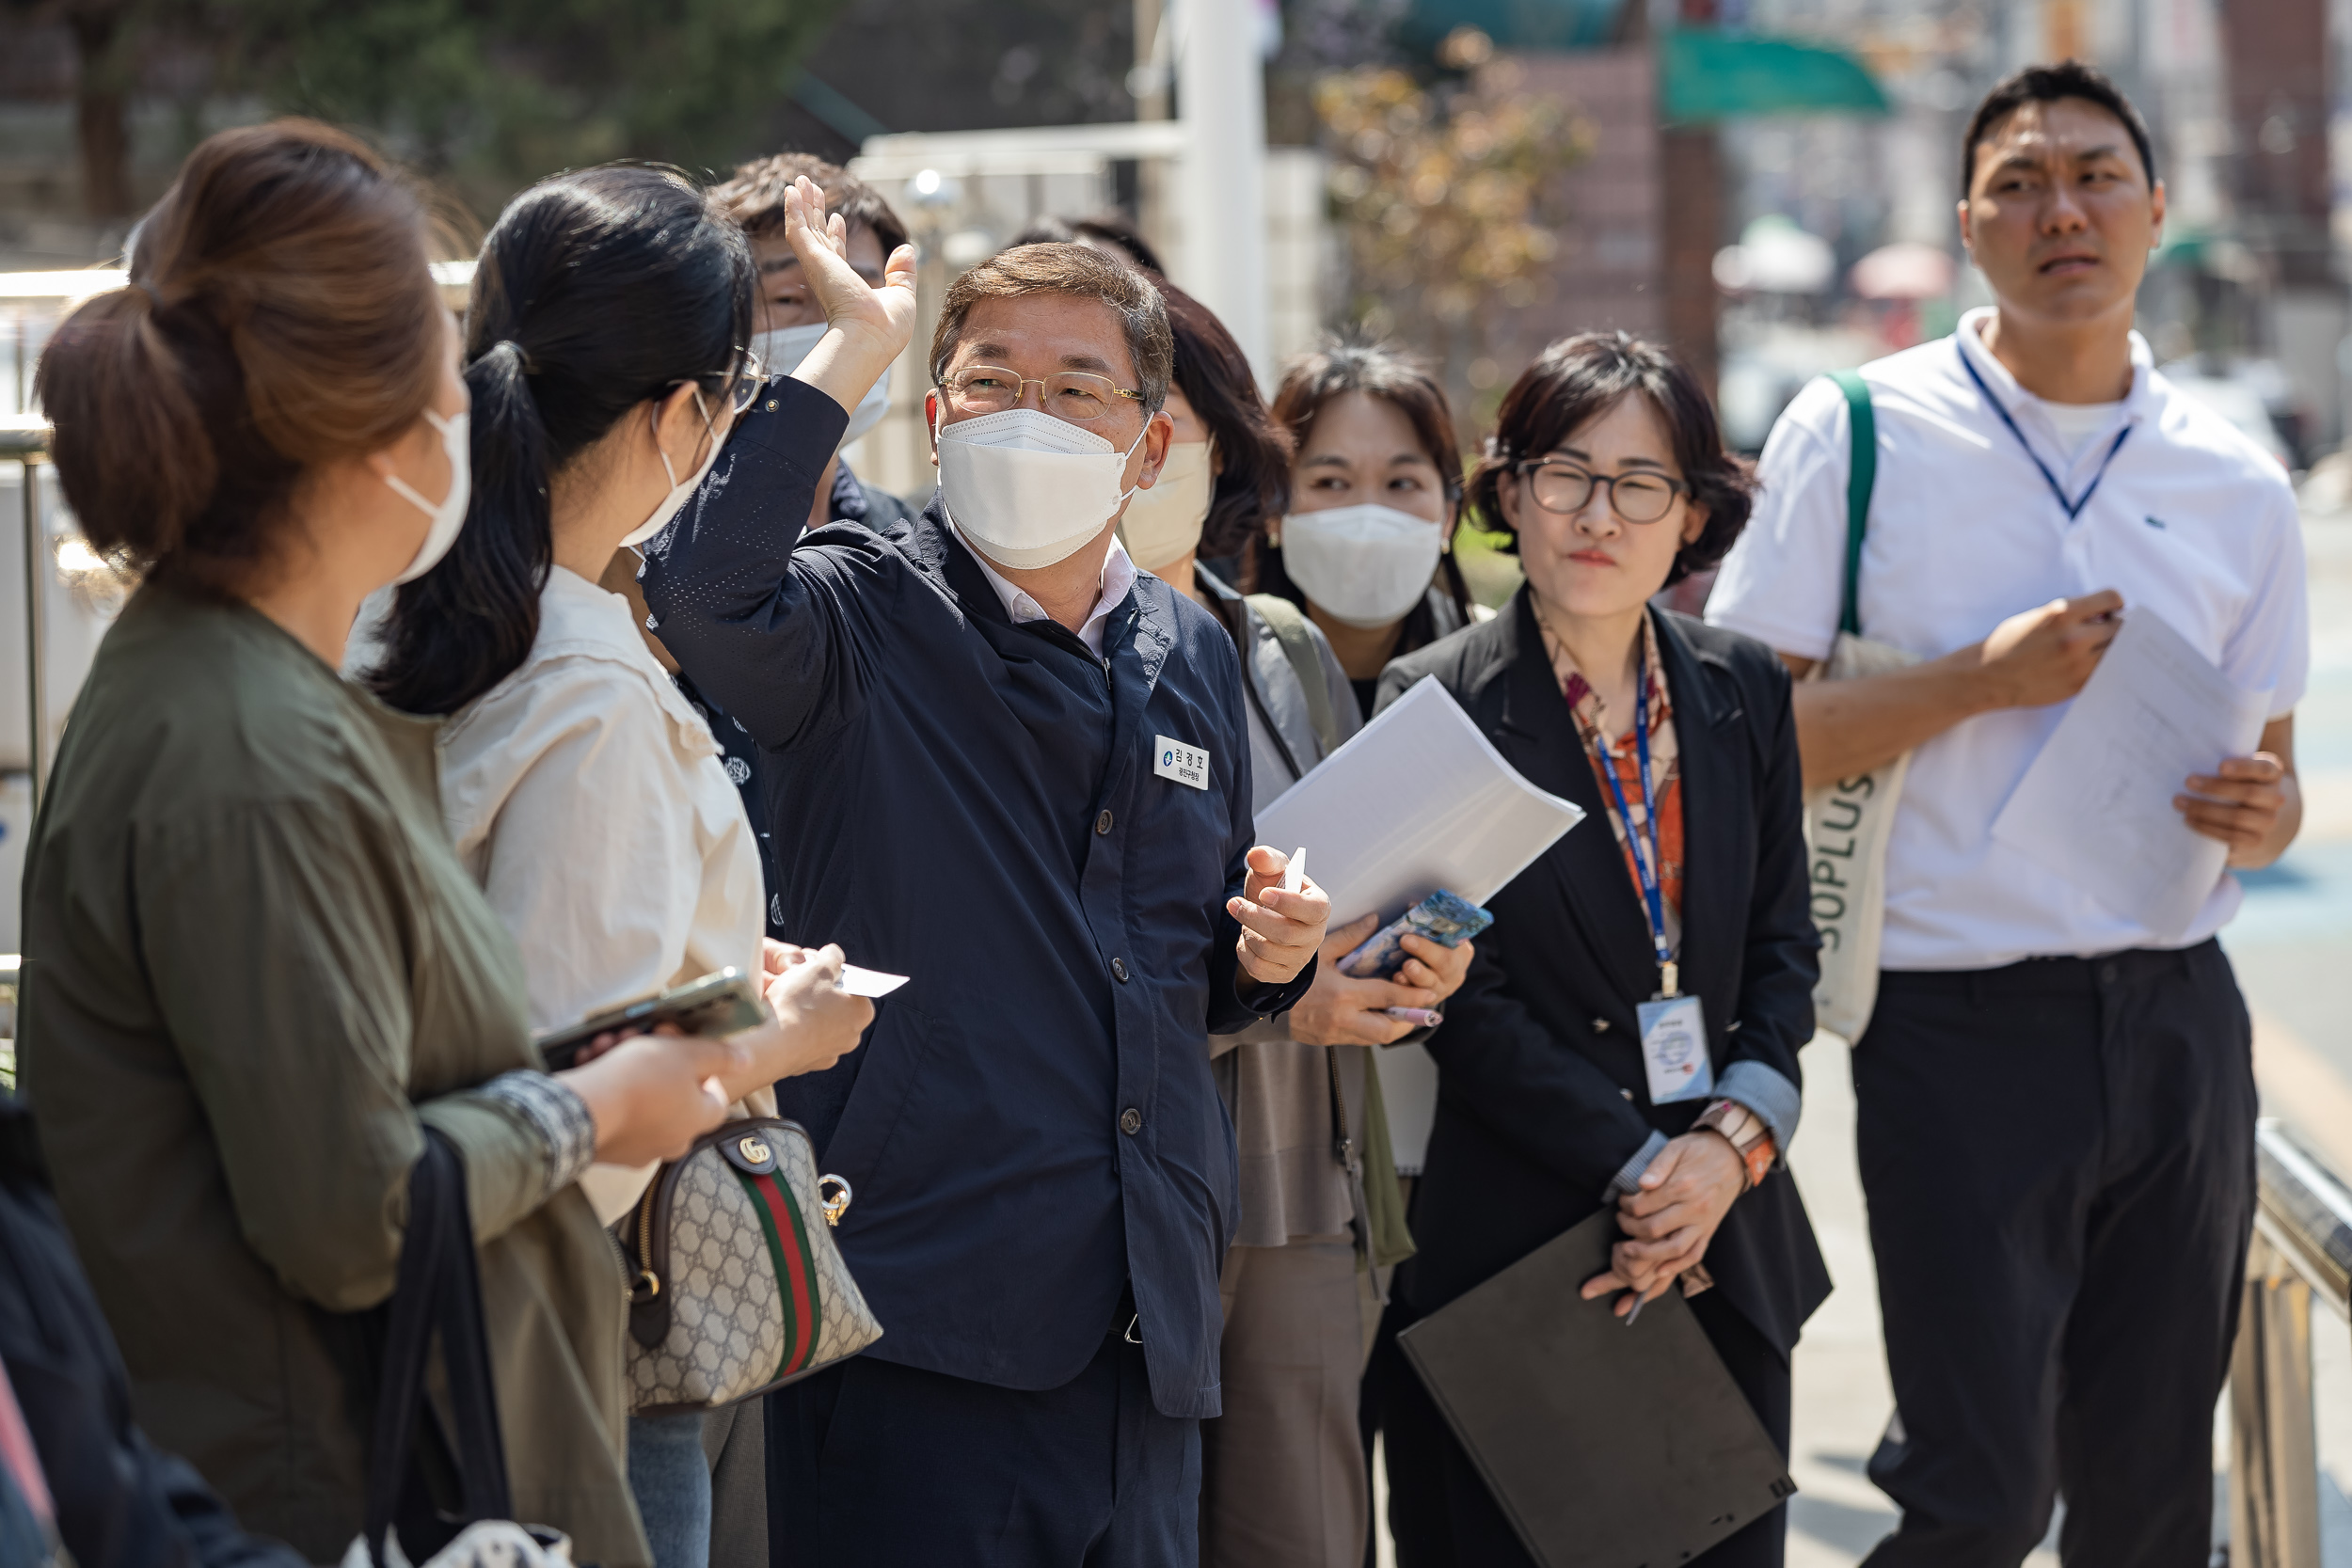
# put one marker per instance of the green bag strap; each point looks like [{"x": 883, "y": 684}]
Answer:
[
  {"x": 1860, "y": 476},
  {"x": 1391, "y": 1242},
  {"x": 1288, "y": 625}
]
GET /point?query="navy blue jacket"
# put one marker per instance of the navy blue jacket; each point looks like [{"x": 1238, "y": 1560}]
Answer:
[
  {"x": 1031, "y": 1124},
  {"x": 120, "y": 1502}
]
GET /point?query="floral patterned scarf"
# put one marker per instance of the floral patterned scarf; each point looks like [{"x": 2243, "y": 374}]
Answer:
[{"x": 1596, "y": 726}]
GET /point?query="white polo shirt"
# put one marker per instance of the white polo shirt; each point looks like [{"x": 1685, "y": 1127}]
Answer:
[{"x": 2191, "y": 519}]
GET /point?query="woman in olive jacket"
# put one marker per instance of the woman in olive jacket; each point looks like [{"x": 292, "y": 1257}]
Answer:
[
  {"x": 1609, "y": 469},
  {"x": 255, "y": 971}
]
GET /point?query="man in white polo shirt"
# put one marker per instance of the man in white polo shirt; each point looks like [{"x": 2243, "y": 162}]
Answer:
[{"x": 2056, "y": 1101}]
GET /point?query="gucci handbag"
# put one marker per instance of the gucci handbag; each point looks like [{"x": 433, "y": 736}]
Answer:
[{"x": 736, "y": 1286}]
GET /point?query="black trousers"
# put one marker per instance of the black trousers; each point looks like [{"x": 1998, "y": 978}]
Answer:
[
  {"x": 2058, "y": 1157},
  {"x": 872, "y": 1465},
  {"x": 1442, "y": 1515}
]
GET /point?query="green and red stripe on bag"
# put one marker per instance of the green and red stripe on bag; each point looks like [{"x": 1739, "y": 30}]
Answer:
[{"x": 736, "y": 1287}]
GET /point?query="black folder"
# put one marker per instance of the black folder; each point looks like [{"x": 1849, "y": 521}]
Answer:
[{"x": 1606, "y": 1447}]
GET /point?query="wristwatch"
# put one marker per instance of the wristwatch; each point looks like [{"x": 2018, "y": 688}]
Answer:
[{"x": 1746, "y": 1134}]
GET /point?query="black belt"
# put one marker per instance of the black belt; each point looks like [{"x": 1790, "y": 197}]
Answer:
[{"x": 2049, "y": 976}]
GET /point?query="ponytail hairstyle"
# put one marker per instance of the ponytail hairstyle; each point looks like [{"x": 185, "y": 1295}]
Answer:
[
  {"x": 279, "y": 315},
  {"x": 597, "y": 290}
]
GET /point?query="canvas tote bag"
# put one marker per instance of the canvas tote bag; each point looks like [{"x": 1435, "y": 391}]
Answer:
[{"x": 1847, "y": 823}]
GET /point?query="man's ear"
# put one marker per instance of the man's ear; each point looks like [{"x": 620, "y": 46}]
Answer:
[
  {"x": 1158, "y": 434},
  {"x": 931, "y": 421},
  {"x": 2155, "y": 214},
  {"x": 1967, "y": 240}
]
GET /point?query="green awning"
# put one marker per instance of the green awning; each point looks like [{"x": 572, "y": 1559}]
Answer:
[
  {"x": 1514, "y": 23},
  {"x": 1706, "y": 76}
]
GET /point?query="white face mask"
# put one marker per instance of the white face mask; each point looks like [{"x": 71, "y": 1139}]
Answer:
[
  {"x": 676, "y": 497},
  {"x": 1028, "y": 489},
  {"x": 1162, "y": 524},
  {"x": 1365, "y": 564},
  {"x": 782, "y": 352},
  {"x": 448, "y": 513}
]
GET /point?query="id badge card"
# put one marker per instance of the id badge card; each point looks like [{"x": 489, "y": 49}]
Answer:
[{"x": 1674, "y": 1049}]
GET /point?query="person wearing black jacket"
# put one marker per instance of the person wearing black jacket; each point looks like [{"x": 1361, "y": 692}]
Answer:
[
  {"x": 119, "y": 1502},
  {"x": 1000, "y": 761},
  {"x": 1687, "y": 879}
]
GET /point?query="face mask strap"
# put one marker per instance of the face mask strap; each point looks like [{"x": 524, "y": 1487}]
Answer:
[
  {"x": 709, "y": 430},
  {"x": 408, "y": 492}
]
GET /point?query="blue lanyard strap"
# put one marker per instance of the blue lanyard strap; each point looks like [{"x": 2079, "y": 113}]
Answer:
[
  {"x": 2073, "y": 508},
  {"x": 1646, "y": 857}
]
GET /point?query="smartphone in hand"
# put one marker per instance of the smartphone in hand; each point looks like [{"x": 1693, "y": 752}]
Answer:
[
  {"x": 721, "y": 1004},
  {"x": 1444, "y": 919}
]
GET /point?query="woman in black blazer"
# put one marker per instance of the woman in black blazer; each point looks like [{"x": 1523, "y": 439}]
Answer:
[{"x": 1609, "y": 470}]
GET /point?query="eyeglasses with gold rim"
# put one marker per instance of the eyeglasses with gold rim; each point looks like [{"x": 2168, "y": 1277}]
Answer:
[{"x": 1079, "y": 396}]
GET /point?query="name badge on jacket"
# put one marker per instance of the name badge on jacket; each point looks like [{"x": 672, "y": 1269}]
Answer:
[
  {"x": 1674, "y": 1049},
  {"x": 1173, "y": 759}
]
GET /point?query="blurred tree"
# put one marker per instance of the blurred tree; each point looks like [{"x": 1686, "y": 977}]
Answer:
[
  {"x": 487, "y": 95},
  {"x": 1447, "y": 198},
  {"x": 101, "y": 32}
]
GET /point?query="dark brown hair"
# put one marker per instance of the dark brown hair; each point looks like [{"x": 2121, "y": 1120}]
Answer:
[
  {"x": 1067, "y": 269},
  {"x": 1115, "y": 230},
  {"x": 1313, "y": 381},
  {"x": 1576, "y": 381},
  {"x": 2048, "y": 83},
  {"x": 1254, "y": 483},
  {"x": 753, "y": 196},
  {"x": 279, "y": 315},
  {"x": 599, "y": 292}
]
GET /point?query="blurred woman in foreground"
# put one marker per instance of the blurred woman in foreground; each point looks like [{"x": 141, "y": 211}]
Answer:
[{"x": 255, "y": 972}]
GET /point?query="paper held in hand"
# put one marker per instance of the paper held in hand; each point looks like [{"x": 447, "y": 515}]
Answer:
[
  {"x": 868, "y": 982},
  {"x": 2096, "y": 805},
  {"x": 1417, "y": 800}
]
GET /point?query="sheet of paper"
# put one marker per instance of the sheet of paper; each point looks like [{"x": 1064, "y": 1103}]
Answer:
[
  {"x": 1417, "y": 800},
  {"x": 2096, "y": 805},
  {"x": 870, "y": 982}
]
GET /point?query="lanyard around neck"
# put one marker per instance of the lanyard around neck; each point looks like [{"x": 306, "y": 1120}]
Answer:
[
  {"x": 2073, "y": 509},
  {"x": 1646, "y": 857}
]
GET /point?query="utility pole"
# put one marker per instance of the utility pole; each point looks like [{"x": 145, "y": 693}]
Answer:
[{"x": 1222, "y": 183}]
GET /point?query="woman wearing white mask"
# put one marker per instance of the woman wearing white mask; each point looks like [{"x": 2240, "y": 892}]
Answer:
[
  {"x": 256, "y": 978},
  {"x": 580, "y": 787},
  {"x": 1375, "y": 491},
  {"x": 1282, "y": 1477}
]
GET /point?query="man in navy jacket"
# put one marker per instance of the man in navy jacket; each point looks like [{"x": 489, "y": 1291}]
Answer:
[{"x": 1027, "y": 786}]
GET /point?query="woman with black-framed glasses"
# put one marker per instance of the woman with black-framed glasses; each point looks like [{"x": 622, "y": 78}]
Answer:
[
  {"x": 583, "y": 790},
  {"x": 1683, "y": 899}
]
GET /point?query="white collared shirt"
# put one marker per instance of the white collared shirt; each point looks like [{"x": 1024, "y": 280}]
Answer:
[
  {"x": 1119, "y": 576},
  {"x": 587, "y": 796},
  {"x": 2192, "y": 521}
]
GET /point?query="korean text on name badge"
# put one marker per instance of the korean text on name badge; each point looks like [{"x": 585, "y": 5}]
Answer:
[{"x": 1173, "y": 759}]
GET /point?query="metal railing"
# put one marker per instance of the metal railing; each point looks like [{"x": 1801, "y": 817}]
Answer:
[
  {"x": 2302, "y": 1248},
  {"x": 25, "y": 437}
]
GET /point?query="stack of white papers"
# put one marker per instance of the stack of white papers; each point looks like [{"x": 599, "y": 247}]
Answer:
[
  {"x": 2096, "y": 805},
  {"x": 1417, "y": 800}
]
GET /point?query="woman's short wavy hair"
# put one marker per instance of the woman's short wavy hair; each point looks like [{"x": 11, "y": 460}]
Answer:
[{"x": 1579, "y": 379}]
